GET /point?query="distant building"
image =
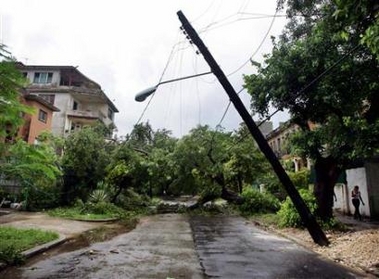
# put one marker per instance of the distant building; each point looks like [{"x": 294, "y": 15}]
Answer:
[
  {"x": 278, "y": 140},
  {"x": 80, "y": 100},
  {"x": 265, "y": 127}
]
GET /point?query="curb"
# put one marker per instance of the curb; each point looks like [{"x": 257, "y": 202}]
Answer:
[
  {"x": 39, "y": 249},
  {"x": 95, "y": 220},
  {"x": 43, "y": 247}
]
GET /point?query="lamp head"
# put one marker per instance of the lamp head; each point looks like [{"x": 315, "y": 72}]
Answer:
[{"x": 140, "y": 97}]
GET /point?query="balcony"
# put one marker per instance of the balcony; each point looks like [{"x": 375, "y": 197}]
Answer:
[{"x": 88, "y": 116}]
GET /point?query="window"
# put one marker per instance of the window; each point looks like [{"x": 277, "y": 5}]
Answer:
[
  {"x": 42, "y": 116},
  {"x": 43, "y": 77},
  {"x": 110, "y": 113},
  {"x": 48, "y": 97},
  {"x": 75, "y": 105}
]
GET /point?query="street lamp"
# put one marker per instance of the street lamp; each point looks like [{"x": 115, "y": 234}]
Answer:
[{"x": 141, "y": 96}]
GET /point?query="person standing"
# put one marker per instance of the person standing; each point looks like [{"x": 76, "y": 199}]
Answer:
[{"x": 356, "y": 199}]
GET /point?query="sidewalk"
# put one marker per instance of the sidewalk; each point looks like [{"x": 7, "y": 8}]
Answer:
[
  {"x": 350, "y": 221},
  {"x": 37, "y": 220}
]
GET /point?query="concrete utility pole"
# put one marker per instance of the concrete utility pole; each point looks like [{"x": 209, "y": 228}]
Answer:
[{"x": 306, "y": 216}]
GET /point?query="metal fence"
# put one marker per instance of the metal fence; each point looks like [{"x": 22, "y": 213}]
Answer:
[{"x": 10, "y": 186}]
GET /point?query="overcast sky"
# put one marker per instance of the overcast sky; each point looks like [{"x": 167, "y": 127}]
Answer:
[{"x": 125, "y": 46}]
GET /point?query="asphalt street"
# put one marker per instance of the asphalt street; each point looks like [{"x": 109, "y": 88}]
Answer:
[{"x": 179, "y": 246}]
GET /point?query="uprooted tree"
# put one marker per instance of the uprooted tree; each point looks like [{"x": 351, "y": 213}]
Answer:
[
  {"x": 217, "y": 164},
  {"x": 323, "y": 72}
]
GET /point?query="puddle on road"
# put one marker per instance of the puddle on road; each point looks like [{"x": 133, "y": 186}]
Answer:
[{"x": 103, "y": 233}]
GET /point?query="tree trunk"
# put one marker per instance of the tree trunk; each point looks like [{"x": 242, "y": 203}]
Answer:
[
  {"x": 240, "y": 184},
  {"x": 231, "y": 196},
  {"x": 327, "y": 173}
]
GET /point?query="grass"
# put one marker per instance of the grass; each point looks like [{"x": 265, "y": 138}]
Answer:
[
  {"x": 14, "y": 241},
  {"x": 128, "y": 219},
  {"x": 75, "y": 213}
]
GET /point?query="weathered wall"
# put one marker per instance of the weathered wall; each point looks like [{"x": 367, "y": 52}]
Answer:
[
  {"x": 63, "y": 101},
  {"x": 343, "y": 199},
  {"x": 358, "y": 177}
]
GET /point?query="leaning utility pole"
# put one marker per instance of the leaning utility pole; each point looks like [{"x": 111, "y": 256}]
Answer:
[{"x": 305, "y": 214}]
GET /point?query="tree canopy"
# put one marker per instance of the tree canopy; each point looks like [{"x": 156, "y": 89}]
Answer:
[
  {"x": 11, "y": 84},
  {"x": 326, "y": 77}
]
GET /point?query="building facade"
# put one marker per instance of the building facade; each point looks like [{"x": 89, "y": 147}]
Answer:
[
  {"x": 80, "y": 100},
  {"x": 278, "y": 140},
  {"x": 41, "y": 120}
]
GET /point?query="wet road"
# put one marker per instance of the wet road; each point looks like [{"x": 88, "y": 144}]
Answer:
[
  {"x": 232, "y": 248},
  {"x": 176, "y": 246}
]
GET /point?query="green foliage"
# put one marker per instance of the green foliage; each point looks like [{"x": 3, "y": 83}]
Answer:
[
  {"x": 36, "y": 168},
  {"x": 323, "y": 70},
  {"x": 31, "y": 163},
  {"x": 97, "y": 196},
  {"x": 289, "y": 217},
  {"x": 14, "y": 241},
  {"x": 102, "y": 208},
  {"x": 132, "y": 201},
  {"x": 272, "y": 185},
  {"x": 11, "y": 83},
  {"x": 86, "y": 155},
  {"x": 89, "y": 211},
  {"x": 199, "y": 158},
  {"x": 10, "y": 255},
  {"x": 306, "y": 50},
  {"x": 358, "y": 19},
  {"x": 210, "y": 192},
  {"x": 142, "y": 136},
  {"x": 245, "y": 164},
  {"x": 257, "y": 202},
  {"x": 41, "y": 197},
  {"x": 300, "y": 178}
]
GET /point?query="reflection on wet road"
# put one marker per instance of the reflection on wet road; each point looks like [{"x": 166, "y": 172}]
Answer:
[
  {"x": 160, "y": 247},
  {"x": 228, "y": 247},
  {"x": 178, "y": 246}
]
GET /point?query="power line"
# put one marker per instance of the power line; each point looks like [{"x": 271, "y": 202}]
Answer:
[
  {"x": 160, "y": 79},
  {"x": 258, "y": 48},
  {"x": 305, "y": 88}
]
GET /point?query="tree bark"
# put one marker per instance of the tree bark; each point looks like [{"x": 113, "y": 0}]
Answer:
[
  {"x": 230, "y": 196},
  {"x": 327, "y": 173}
]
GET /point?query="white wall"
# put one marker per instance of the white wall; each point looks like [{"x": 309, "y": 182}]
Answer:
[
  {"x": 343, "y": 198},
  {"x": 358, "y": 177},
  {"x": 63, "y": 101}
]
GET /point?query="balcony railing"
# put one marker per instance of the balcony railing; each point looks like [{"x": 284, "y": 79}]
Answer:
[{"x": 86, "y": 114}]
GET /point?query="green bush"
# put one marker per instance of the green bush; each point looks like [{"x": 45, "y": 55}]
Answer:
[
  {"x": 300, "y": 178},
  {"x": 257, "y": 202},
  {"x": 210, "y": 192},
  {"x": 130, "y": 200},
  {"x": 273, "y": 185},
  {"x": 288, "y": 215},
  {"x": 98, "y": 195},
  {"x": 39, "y": 196},
  {"x": 103, "y": 208}
]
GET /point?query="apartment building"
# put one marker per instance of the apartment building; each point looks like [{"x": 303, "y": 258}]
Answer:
[
  {"x": 41, "y": 120},
  {"x": 278, "y": 140},
  {"x": 80, "y": 100}
]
